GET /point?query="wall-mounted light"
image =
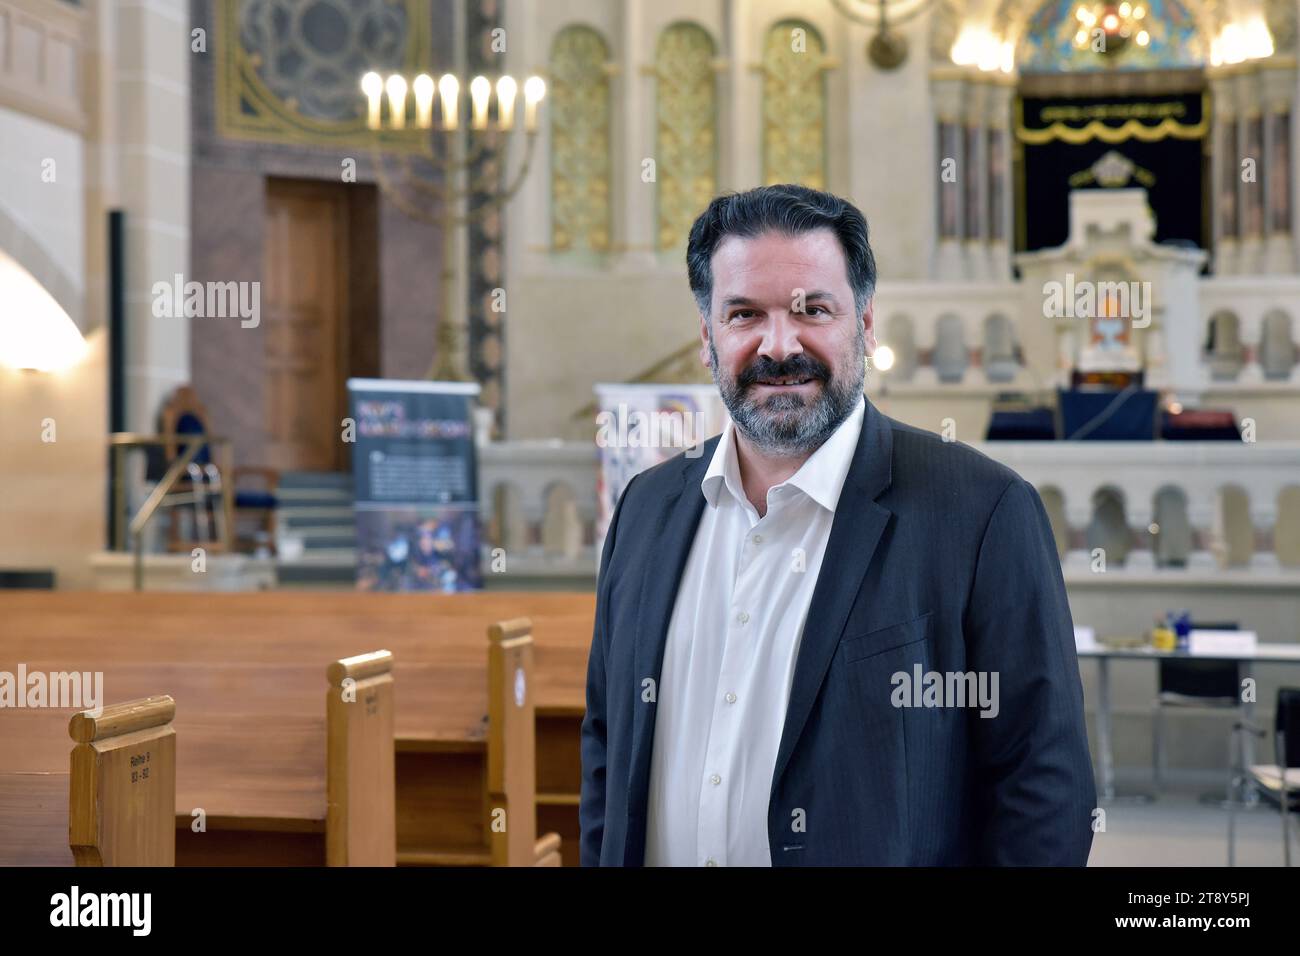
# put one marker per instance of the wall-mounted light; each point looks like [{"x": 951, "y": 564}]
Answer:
[
  {"x": 35, "y": 332},
  {"x": 1238, "y": 42},
  {"x": 981, "y": 47}
]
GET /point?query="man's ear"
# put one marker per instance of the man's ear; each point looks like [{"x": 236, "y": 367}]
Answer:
[
  {"x": 869, "y": 326},
  {"x": 704, "y": 340}
]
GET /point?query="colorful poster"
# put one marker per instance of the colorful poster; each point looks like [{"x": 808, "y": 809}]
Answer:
[
  {"x": 416, "y": 475},
  {"x": 638, "y": 426}
]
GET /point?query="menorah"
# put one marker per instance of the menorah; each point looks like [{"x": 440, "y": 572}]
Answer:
[{"x": 457, "y": 171}]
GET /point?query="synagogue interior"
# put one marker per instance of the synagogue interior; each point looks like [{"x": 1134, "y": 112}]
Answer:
[{"x": 331, "y": 332}]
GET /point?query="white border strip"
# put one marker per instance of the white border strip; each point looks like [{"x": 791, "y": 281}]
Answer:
[{"x": 398, "y": 385}]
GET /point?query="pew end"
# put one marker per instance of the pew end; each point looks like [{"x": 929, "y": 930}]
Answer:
[
  {"x": 360, "y": 769},
  {"x": 512, "y": 750},
  {"x": 122, "y": 785}
]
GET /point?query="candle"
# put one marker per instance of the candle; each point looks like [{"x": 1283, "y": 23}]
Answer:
[
  {"x": 534, "y": 90},
  {"x": 480, "y": 92},
  {"x": 423, "y": 87},
  {"x": 448, "y": 89},
  {"x": 397, "y": 101},
  {"x": 506, "y": 90},
  {"x": 373, "y": 87}
]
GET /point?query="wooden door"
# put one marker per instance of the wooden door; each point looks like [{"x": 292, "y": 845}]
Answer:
[{"x": 304, "y": 300}]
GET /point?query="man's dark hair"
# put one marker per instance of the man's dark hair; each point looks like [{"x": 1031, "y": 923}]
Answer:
[{"x": 787, "y": 209}]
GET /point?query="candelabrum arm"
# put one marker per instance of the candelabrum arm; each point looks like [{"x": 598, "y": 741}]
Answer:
[{"x": 446, "y": 194}]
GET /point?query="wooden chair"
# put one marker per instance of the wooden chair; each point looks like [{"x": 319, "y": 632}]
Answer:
[
  {"x": 122, "y": 785},
  {"x": 360, "y": 772},
  {"x": 213, "y": 495}
]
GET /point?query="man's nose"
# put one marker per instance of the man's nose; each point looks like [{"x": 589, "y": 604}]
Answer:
[{"x": 781, "y": 338}]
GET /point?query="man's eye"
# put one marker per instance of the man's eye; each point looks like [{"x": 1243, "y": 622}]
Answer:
[{"x": 744, "y": 314}]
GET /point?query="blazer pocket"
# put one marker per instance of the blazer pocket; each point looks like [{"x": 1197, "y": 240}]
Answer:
[{"x": 881, "y": 640}]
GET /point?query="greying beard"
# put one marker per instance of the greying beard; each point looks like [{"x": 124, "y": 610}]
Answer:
[{"x": 801, "y": 434}]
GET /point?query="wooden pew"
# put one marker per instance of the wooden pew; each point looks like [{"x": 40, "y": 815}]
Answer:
[
  {"x": 472, "y": 802},
  {"x": 122, "y": 797},
  {"x": 360, "y": 826},
  {"x": 257, "y": 641}
]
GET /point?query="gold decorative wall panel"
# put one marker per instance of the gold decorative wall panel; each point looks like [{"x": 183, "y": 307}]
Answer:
[
  {"x": 686, "y": 154},
  {"x": 580, "y": 167},
  {"x": 794, "y": 105}
]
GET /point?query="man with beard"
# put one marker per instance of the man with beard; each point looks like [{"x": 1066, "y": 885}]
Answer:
[{"x": 791, "y": 627}]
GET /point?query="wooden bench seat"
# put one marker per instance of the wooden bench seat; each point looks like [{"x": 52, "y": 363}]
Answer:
[{"x": 247, "y": 649}]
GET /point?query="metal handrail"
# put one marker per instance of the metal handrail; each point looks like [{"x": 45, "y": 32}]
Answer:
[{"x": 192, "y": 444}]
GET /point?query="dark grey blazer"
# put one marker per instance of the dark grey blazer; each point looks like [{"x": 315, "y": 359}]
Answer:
[{"x": 939, "y": 557}]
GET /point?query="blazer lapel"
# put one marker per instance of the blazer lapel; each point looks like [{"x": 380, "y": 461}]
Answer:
[
  {"x": 668, "y": 548},
  {"x": 855, "y": 531}
]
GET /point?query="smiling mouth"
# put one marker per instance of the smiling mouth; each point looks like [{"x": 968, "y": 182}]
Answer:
[{"x": 784, "y": 382}]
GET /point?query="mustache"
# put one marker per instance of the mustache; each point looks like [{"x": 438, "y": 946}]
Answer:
[{"x": 797, "y": 366}]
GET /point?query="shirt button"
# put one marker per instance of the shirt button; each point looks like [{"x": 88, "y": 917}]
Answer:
[
  {"x": 715, "y": 780},
  {"x": 758, "y": 539},
  {"x": 742, "y": 617},
  {"x": 731, "y": 698},
  {"x": 710, "y": 862}
]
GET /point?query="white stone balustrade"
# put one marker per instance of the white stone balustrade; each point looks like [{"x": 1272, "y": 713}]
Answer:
[
  {"x": 538, "y": 502},
  {"x": 1236, "y": 497}
]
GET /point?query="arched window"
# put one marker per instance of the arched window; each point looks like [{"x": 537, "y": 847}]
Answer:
[
  {"x": 1173, "y": 531},
  {"x": 1108, "y": 528},
  {"x": 794, "y": 105},
  {"x": 1234, "y": 531},
  {"x": 1286, "y": 531},
  {"x": 900, "y": 337},
  {"x": 950, "y": 353},
  {"x": 1277, "y": 353},
  {"x": 1054, "y": 504},
  {"x": 579, "y": 112},
  {"x": 999, "y": 349},
  {"x": 1223, "y": 351},
  {"x": 686, "y": 144}
]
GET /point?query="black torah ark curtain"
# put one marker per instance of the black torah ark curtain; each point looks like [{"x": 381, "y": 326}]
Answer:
[{"x": 1158, "y": 144}]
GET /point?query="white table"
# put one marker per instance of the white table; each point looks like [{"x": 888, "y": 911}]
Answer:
[{"x": 1262, "y": 654}]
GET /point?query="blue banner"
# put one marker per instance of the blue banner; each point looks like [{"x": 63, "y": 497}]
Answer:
[{"x": 416, "y": 476}]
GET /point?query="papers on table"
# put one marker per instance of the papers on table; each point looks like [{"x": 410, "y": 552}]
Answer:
[
  {"x": 1085, "y": 639},
  {"x": 1221, "y": 642}
]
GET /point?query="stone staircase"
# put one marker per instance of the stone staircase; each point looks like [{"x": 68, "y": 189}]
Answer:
[{"x": 315, "y": 531}]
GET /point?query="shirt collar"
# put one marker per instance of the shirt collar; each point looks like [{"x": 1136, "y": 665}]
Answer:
[{"x": 821, "y": 477}]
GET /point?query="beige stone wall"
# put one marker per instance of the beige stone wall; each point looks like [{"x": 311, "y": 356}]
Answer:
[
  {"x": 52, "y": 494},
  {"x": 125, "y": 145}
]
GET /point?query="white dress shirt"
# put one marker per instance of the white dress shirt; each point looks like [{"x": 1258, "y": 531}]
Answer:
[{"x": 729, "y": 661}]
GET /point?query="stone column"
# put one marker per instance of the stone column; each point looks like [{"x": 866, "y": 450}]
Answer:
[
  {"x": 1250, "y": 192},
  {"x": 974, "y": 182},
  {"x": 1224, "y": 172},
  {"x": 952, "y": 171},
  {"x": 999, "y": 207},
  {"x": 1279, "y": 85},
  {"x": 633, "y": 130}
]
